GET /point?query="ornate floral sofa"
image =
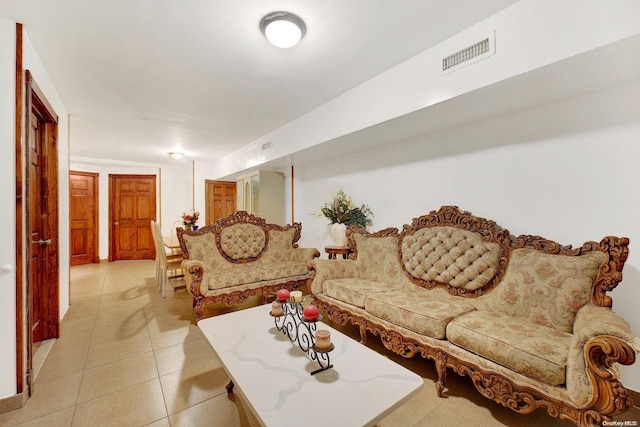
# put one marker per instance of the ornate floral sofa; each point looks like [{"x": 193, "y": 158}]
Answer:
[
  {"x": 240, "y": 256},
  {"x": 528, "y": 320}
]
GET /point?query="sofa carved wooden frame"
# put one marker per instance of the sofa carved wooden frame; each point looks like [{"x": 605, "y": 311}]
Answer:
[
  {"x": 601, "y": 353},
  {"x": 235, "y": 297}
]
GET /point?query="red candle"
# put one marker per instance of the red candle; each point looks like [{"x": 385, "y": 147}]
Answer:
[
  {"x": 282, "y": 295},
  {"x": 310, "y": 313}
]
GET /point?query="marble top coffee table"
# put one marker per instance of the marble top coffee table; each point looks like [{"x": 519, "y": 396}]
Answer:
[{"x": 274, "y": 375}]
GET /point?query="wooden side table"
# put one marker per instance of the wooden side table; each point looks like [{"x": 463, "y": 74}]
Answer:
[{"x": 333, "y": 251}]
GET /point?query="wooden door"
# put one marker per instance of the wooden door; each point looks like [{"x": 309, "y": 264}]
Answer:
[
  {"x": 132, "y": 200},
  {"x": 83, "y": 217},
  {"x": 42, "y": 220},
  {"x": 220, "y": 200}
]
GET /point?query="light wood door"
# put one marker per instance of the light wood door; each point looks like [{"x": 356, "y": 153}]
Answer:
[
  {"x": 133, "y": 206},
  {"x": 220, "y": 200},
  {"x": 83, "y": 217}
]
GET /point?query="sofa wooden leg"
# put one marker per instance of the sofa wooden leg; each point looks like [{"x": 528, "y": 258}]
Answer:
[
  {"x": 199, "y": 306},
  {"x": 441, "y": 368}
]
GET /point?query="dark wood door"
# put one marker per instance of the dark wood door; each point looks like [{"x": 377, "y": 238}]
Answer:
[
  {"x": 83, "y": 217},
  {"x": 220, "y": 200},
  {"x": 133, "y": 206},
  {"x": 42, "y": 202}
]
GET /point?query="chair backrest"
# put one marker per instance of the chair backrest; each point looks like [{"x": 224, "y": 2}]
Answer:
[
  {"x": 157, "y": 238},
  {"x": 175, "y": 224}
]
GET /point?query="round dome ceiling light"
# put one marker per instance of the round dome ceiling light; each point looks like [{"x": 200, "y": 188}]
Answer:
[{"x": 283, "y": 29}]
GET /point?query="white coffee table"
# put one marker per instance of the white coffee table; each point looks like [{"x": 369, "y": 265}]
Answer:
[{"x": 274, "y": 375}]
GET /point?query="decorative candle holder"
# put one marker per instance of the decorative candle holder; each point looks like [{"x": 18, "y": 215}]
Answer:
[{"x": 302, "y": 332}]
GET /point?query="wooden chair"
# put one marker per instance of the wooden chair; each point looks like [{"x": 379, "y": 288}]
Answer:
[{"x": 164, "y": 262}]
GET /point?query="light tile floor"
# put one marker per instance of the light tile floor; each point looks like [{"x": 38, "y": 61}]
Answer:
[{"x": 128, "y": 357}]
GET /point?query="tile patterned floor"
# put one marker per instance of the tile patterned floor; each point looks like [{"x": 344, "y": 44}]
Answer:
[{"x": 128, "y": 357}]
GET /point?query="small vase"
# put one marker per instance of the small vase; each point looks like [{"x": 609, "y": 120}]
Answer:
[
  {"x": 195, "y": 227},
  {"x": 339, "y": 234}
]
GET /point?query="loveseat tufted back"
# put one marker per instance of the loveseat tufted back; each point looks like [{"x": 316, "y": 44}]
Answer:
[
  {"x": 242, "y": 241},
  {"x": 459, "y": 258}
]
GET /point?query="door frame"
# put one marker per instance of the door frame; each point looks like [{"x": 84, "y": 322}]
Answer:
[{"x": 37, "y": 101}]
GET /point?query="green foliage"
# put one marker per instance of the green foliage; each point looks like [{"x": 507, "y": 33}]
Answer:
[{"x": 341, "y": 210}]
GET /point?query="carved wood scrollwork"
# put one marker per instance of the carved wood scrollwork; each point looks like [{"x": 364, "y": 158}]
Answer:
[{"x": 610, "y": 396}]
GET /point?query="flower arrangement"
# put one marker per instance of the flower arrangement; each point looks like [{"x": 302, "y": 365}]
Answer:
[
  {"x": 341, "y": 210},
  {"x": 190, "y": 219}
]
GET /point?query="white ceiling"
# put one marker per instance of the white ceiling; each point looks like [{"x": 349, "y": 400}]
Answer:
[{"x": 144, "y": 77}]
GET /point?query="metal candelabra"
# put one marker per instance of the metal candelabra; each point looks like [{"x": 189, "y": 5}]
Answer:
[{"x": 293, "y": 325}]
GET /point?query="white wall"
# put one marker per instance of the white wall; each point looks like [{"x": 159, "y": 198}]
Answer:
[
  {"x": 568, "y": 172},
  {"x": 7, "y": 192},
  {"x": 529, "y": 35},
  {"x": 7, "y": 215},
  {"x": 173, "y": 190}
]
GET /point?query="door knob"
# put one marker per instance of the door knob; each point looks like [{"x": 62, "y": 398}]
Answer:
[{"x": 42, "y": 242}]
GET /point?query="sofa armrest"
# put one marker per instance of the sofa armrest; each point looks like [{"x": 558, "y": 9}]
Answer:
[
  {"x": 304, "y": 254},
  {"x": 601, "y": 340},
  {"x": 193, "y": 274},
  {"x": 331, "y": 269}
]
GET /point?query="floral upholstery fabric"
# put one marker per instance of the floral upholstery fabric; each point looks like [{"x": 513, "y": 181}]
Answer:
[
  {"x": 535, "y": 351},
  {"x": 241, "y": 274},
  {"x": 416, "y": 310},
  {"x": 546, "y": 289},
  {"x": 282, "y": 270},
  {"x": 450, "y": 255},
  {"x": 279, "y": 248},
  {"x": 242, "y": 241},
  {"x": 203, "y": 247},
  {"x": 326, "y": 269},
  {"x": 354, "y": 291},
  {"x": 377, "y": 260}
]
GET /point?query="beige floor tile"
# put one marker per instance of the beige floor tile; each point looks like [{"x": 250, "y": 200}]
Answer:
[
  {"x": 162, "y": 336},
  {"x": 68, "y": 355},
  {"x": 57, "y": 419},
  {"x": 194, "y": 357},
  {"x": 48, "y": 397},
  {"x": 117, "y": 331},
  {"x": 134, "y": 315},
  {"x": 160, "y": 423},
  {"x": 219, "y": 411},
  {"x": 139, "y": 405},
  {"x": 110, "y": 351},
  {"x": 182, "y": 390},
  {"x": 117, "y": 375}
]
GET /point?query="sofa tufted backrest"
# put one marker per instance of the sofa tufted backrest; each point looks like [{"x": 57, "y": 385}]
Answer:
[
  {"x": 450, "y": 255},
  {"x": 242, "y": 241}
]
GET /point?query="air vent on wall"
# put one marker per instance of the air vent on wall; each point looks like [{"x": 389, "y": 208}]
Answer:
[{"x": 470, "y": 54}]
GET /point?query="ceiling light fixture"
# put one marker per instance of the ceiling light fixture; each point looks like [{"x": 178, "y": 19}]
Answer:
[
  {"x": 283, "y": 29},
  {"x": 176, "y": 155}
]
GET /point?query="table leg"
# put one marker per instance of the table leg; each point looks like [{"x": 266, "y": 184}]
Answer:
[
  {"x": 230, "y": 386},
  {"x": 332, "y": 256}
]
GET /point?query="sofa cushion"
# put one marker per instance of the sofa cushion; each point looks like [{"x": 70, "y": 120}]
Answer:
[
  {"x": 546, "y": 289},
  {"x": 242, "y": 241},
  {"x": 377, "y": 259},
  {"x": 450, "y": 255},
  {"x": 354, "y": 291},
  {"x": 203, "y": 248},
  {"x": 532, "y": 350},
  {"x": 279, "y": 247},
  {"x": 240, "y": 274},
  {"x": 418, "y": 310},
  {"x": 283, "y": 270}
]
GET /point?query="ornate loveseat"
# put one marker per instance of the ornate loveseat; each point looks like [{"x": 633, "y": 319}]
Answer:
[
  {"x": 242, "y": 255},
  {"x": 528, "y": 320}
]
